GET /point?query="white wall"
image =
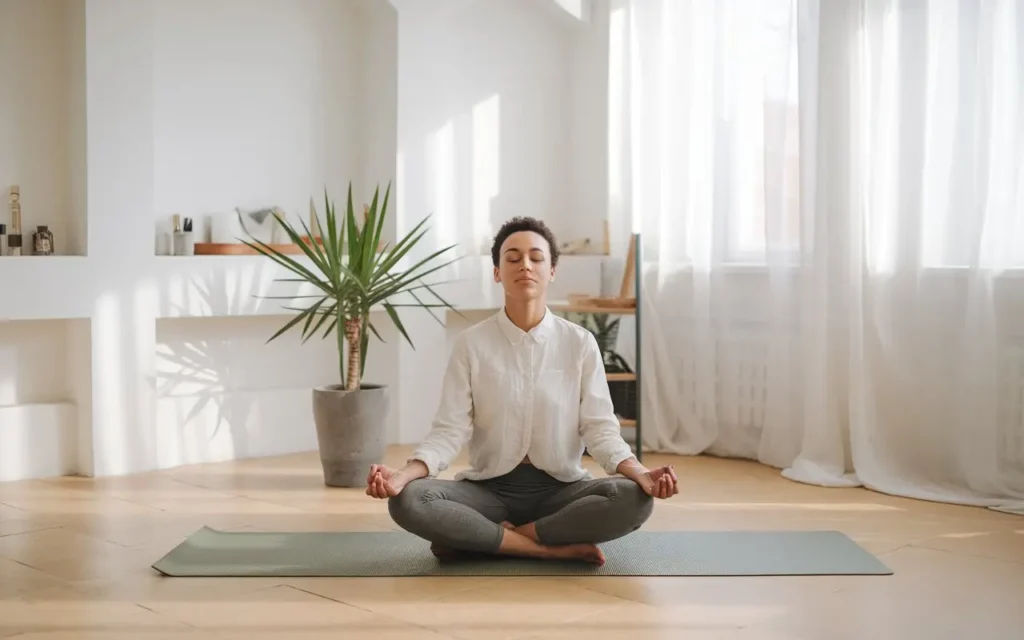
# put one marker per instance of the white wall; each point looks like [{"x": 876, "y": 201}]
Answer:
[
  {"x": 587, "y": 161},
  {"x": 255, "y": 105},
  {"x": 376, "y": 46},
  {"x": 40, "y": 136},
  {"x": 37, "y": 398},
  {"x": 496, "y": 118},
  {"x": 33, "y": 362},
  {"x": 44, "y": 364},
  {"x": 196, "y": 107},
  {"x": 223, "y": 392}
]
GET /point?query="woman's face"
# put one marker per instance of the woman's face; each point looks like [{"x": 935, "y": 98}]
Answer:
[{"x": 524, "y": 268}]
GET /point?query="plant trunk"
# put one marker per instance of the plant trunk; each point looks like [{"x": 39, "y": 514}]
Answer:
[{"x": 353, "y": 334}]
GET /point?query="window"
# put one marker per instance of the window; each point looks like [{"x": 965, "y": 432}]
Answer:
[{"x": 765, "y": 149}]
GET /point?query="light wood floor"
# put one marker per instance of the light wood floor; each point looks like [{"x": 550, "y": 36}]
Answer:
[{"x": 75, "y": 559}]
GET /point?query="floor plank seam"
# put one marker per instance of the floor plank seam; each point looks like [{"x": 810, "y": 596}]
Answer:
[
  {"x": 19, "y": 533},
  {"x": 11, "y": 506},
  {"x": 322, "y": 596},
  {"x": 193, "y": 485},
  {"x": 383, "y": 614},
  {"x": 964, "y": 553},
  {"x": 168, "y": 618},
  {"x": 25, "y": 564},
  {"x": 881, "y": 554}
]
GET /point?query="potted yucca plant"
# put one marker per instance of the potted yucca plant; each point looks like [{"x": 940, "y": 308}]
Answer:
[{"x": 352, "y": 275}]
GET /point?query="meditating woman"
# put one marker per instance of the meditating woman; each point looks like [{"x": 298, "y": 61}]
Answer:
[{"x": 527, "y": 391}]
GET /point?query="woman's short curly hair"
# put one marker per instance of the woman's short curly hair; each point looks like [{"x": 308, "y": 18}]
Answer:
[{"x": 523, "y": 223}]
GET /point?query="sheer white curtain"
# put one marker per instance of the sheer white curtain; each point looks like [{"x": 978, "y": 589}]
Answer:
[{"x": 831, "y": 199}]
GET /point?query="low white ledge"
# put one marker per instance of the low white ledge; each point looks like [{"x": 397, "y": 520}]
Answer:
[{"x": 37, "y": 441}]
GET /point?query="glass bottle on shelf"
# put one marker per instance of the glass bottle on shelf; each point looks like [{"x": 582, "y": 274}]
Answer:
[
  {"x": 42, "y": 241},
  {"x": 14, "y": 238}
]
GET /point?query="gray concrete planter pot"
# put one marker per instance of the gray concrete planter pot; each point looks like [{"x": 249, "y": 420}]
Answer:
[{"x": 350, "y": 430}]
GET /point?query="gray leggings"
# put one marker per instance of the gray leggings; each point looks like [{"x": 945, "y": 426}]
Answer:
[{"x": 465, "y": 515}]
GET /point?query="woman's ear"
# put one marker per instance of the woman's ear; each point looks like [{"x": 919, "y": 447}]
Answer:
[{"x": 497, "y": 275}]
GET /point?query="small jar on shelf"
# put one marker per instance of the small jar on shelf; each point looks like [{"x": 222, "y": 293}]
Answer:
[{"x": 42, "y": 241}]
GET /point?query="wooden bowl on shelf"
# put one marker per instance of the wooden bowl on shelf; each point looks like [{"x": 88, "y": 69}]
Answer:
[{"x": 240, "y": 249}]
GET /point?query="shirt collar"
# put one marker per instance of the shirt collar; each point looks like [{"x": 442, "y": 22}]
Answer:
[{"x": 540, "y": 333}]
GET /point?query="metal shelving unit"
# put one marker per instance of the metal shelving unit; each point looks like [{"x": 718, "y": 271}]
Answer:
[{"x": 624, "y": 311}]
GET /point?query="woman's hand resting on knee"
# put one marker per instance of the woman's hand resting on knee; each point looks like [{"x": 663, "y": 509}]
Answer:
[
  {"x": 385, "y": 482},
  {"x": 657, "y": 483},
  {"x": 660, "y": 482},
  {"x": 382, "y": 482}
]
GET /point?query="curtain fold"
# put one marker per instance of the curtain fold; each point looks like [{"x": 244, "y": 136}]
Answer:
[{"x": 832, "y": 207}]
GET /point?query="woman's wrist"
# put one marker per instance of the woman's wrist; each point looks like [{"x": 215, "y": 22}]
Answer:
[
  {"x": 632, "y": 469},
  {"x": 413, "y": 470}
]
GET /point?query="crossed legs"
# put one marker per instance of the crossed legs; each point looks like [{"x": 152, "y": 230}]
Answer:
[
  {"x": 590, "y": 511},
  {"x": 451, "y": 514},
  {"x": 468, "y": 516}
]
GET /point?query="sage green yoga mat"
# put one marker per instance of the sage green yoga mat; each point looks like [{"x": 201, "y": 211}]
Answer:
[{"x": 211, "y": 553}]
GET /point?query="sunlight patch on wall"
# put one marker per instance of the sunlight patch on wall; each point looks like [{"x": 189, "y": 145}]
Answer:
[
  {"x": 486, "y": 164},
  {"x": 401, "y": 204},
  {"x": 9, "y": 381},
  {"x": 109, "y": 383},
  {"x": 441, "y": 185},
  {"x": 579, "y": 9},
  {"x": 616, "y": 112}
]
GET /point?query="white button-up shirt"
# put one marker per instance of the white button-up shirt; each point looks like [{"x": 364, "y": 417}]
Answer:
[{"x": 509, "y": 394}]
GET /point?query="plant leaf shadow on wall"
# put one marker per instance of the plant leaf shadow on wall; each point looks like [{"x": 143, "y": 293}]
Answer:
[{"x": 215, "y": 374}]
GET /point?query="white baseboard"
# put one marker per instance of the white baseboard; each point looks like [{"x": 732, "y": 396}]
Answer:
[{"x": 38, "y": 441}]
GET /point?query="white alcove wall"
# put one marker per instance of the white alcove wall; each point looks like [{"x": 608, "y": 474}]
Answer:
[
  {"x": 261, "y": 103},
  {"x": 42, "y": 387},
  {"x": 42, "y": 119},
  {"x": 43, "y": 333}
]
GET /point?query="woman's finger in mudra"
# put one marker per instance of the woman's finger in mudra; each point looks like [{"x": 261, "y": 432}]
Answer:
[
  {"x": 664, "y": 488},
  {"x": 376, "y": 488},
  {"x": 672, "y": 483}
]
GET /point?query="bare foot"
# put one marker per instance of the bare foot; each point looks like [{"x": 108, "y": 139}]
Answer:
[
  {"x": 586, "y": 552},
  {"x": 515, "y": 543},
  {"x": 529, "y": 530}
]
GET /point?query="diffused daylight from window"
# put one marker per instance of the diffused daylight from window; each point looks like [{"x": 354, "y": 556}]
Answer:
[
  {"x": 748, "y": 134},
  {"x": 961, "y": 138},
  {"x": 711, "y": 107},
  {"x": 767, "y": 142}
]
